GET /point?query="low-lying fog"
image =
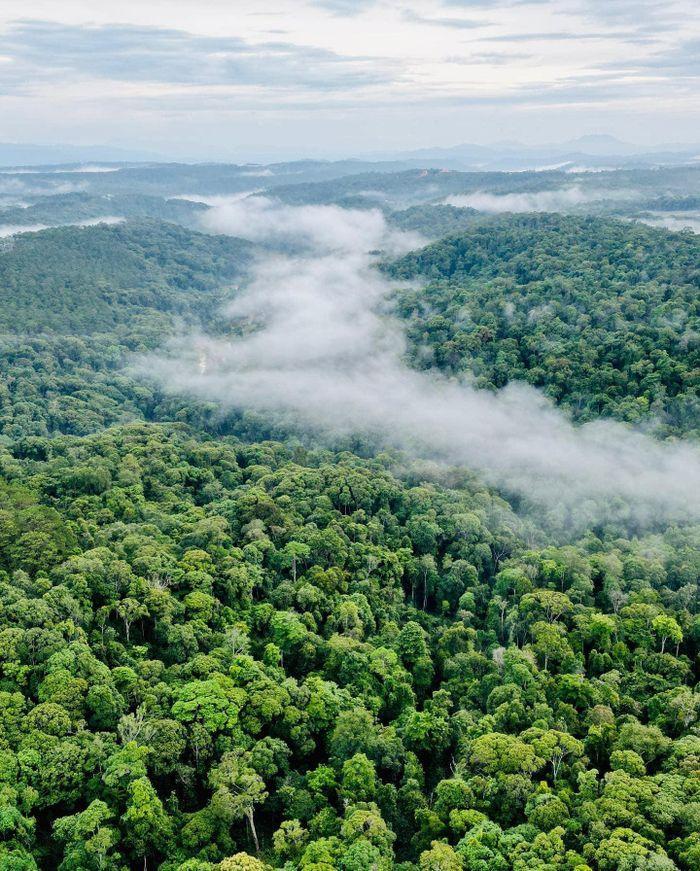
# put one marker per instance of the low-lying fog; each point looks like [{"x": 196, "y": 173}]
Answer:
[{"x": 326, "y": 355}]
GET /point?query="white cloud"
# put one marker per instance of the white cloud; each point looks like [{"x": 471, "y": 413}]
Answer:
[
  {"x": 324, "y": 228},
  {"x": 7, "y": 230},
  {"x": 676, "y": 222},
  {"x": 556, "y": 200},
  {"x": 213, "y": 199},
  {"x": 329, "y": 357},
  {"x": 90, "y": 168},
  {"x": 15, "y": 229},
  {"x": 134, "y": 71}
]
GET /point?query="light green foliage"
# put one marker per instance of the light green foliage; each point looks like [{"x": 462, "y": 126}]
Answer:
[
  {"x": 440, "y": 857},
  {"x": 667, "y": 629},
  {"x": 241, "y": 862}
]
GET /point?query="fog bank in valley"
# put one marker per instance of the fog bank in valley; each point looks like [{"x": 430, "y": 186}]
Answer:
[
  {"x": 325, "y": 354},
  {"x": 675, "y": 222},
  {"x": 555, "y": 200},
  {"x": 322, "y": 229}
]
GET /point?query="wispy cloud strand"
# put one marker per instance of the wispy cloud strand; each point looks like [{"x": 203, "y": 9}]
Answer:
[{"x": 327, "y": 356}]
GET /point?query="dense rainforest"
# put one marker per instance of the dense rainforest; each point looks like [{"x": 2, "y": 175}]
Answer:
[
  {"x": 603, "y": 316},
  {"x": 80, "y": 206},
  {"x": 220, "y": 652},
  {"x": 619, "y": 189},
  {"x": 77, "y": 302}
]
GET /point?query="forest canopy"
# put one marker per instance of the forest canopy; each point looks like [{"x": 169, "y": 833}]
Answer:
[
  {"x": 222, "y": 650},
  {"x": 603, "y": 315}
]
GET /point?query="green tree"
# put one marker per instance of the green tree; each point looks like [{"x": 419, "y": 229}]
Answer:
[
  {"x": 440, "y": 857},
  {"x": 89, "y": 839},
  {"x": 146, "y": 823},
  {"x": 667, "y": 629},
  {"x": 237, "y": 789}
]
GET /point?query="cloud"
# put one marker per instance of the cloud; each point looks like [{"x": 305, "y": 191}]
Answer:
[
  {"x": 640, "y": 14},
  {"x": 556, "y": 200},
  {"x": 214, "y": 199},
  {"x": 454, "y": 23},
  {"x": 496, "y": 58},
  {"x": 88, "y": 168},
  {"x": 124, "y": 52},
  {"x": 489, "y": 4},
  {"x": 682, "y": 61},
  {"x": 631, "y": 21},
  {"x": 7, "y": 230},
  {"x": 257, "y": 68},
  {"x": 548, "y": 36},
  {"x": 13, "y": 184},
  {"x": 346, "y": 8},
  {"x": 327, "y": 356},
  {"x": 677, "y": 223},
  {"x": 320, "y": 228}
]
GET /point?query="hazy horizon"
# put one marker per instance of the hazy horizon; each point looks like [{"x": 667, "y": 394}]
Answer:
[
  {"x": 340, "y": 78},
  {"x": 58, "y": 153}
]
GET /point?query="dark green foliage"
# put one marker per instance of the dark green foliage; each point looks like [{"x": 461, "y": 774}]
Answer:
[
  {"x": 75, "y": 303},
  {"x": 66, "y": 208},
  {"x": 674, "y": 203},
  {"x": 205, "y": 643},
  {"x": 434, "y": 222},
  {"x": 96, "y": 279},
  {"x": 603, "y": 315}
]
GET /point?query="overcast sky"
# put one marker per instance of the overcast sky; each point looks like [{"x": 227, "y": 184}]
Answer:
[{"x": 238, "y": 78}]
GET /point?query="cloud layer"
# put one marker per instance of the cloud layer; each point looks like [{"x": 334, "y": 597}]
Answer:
[
  {"x": 676, "y": 222},
  {"x": 320, "y": 351},
  {"x": 560, "y": 199},
  {"x": 345, "y": 76},
  {"x": 320, "y": 228},
  {"x": 7, "y": 230},
  {"x": 130, "y": 53}
]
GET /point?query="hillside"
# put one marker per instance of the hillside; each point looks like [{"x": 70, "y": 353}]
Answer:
[
  {"x": 94, "y": 279},
  {"x": 74, "y": 303},
  {"x": 431, "y": 185},
  {"x": 245, "y": 644},
  {"x": 73, "y": 207},
  {"x": 603, "y": 315}
]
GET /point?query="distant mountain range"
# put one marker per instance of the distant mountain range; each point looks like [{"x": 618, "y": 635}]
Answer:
[
  {"x": 597, "y": 151},
  {"x": 33, "y": 154}
]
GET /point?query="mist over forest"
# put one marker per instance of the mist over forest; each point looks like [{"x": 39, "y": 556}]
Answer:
[
  {"x": 350, "y": 435},
  {"x": 349, "y": 516}
]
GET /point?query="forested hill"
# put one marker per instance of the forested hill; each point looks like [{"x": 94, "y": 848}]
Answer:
[
  {"x": 415, "y": 186},
  {"x": 228, "y": 654},
  {"x": 93, "y": 279},
  {"x": 434, "y": 221},
  {"x": 81, "y": 206},
  {"x": 208, "y": 646},
  {"x": 76, "y": 303},
  {"x": 603, "y": 315}
]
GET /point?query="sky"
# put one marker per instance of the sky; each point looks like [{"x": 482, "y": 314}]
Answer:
[{"x": 247, "y": 79}]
